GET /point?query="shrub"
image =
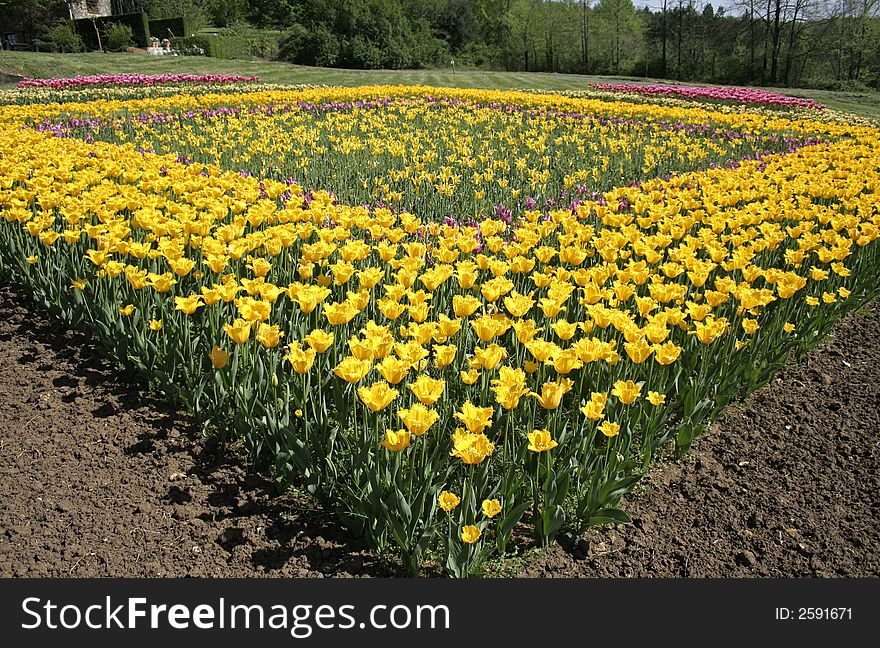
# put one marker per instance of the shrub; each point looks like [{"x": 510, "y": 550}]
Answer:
[
  {"x": 479, "y": 55},
  {"x": 310, "y": 47},
  {"x": 63, "y": 36},
  {"x": 362, "y": 53},
  {"x": 262, "y": 44},
  {"x": 841, "y": 85},
  {"x": 228, "y": 45},
  {"x": 119, "y": 37}
]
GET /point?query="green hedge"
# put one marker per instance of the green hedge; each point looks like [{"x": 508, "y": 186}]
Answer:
[
  {"x": 180, "y": 27},
  {"x": 227, "y": 46},
  {"x": 140, "y": 28}
]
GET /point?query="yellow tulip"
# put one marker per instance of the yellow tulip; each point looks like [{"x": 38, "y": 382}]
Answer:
[
  {"x": 491, "y": 507},
  {"x": 339, "y": 313},
  {"x": 469, "y": 377},
  {"x": 269, "y": 335},
  {"x": 444, "y": 355},
  {"x": 239, "y": 331},
  {"x": 509, "y": 387},
  {"x": 471, "y": 448},
  {"x": 161, "y": 283},
  {"x": 378, "y": 396},
  {"x": 567, "y": 361},
  {"x": 396, "y": 440},
  {"x": 448, "y": 501},
  {"x": 626, "y": 391},
  {"x": 219, "y": 357},
  {"x": 299, "y": 358},
  {"x": 552, "y": 393},
  {"x": 565, "y": 330},
  {"x": 470, "y": 534},
  {"x": 609, "y": 429},
  {"x": 485, "y": 327},
  {"x": 517, "y": 304},
  {"x": 541, "y": 441},
  {"x": 418, "y": 419},
  {"x": 542, "y": 350},
  {"x": 464, "y": 306},
  {"x": 428, "y": 390},
  {"x": 638, "y": 351},
  {"x": 489, "y": 357},
  {"x": 475, "y": 419},
  {"x": 319, "y": 340},
  {"x": 667, "y": 353},
  {"x": 352, "y": 370}
]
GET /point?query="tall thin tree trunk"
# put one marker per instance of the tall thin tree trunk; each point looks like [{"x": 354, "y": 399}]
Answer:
[
  {"x": 764, "y": 53},
  {"x": 664, "y": 37},
  {"x": 776, "y": 41},
  {"x": 751, "y": 40},
  {"x": 585, "y": 33},
  {"x": 678, "y": 40},
  {"x": 793, "y": 34},
  {"x": 617, "y": 39}
]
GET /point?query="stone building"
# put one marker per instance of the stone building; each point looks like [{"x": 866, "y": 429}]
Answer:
[{"x": 89, "y": 8}]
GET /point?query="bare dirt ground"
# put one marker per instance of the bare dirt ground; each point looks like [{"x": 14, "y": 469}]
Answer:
[{"x": 98, "y": 478}]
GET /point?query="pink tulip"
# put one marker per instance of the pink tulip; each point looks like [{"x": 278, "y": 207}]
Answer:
[{"x": 721, "y": 93}]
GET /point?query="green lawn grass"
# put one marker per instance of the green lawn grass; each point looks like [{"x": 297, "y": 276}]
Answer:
[{"x": 43, "y": 65}]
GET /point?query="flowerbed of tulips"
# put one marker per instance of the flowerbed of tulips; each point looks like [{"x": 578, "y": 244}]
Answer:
[
  {"x": 444, "y": 313},
  {"x": 744, "y": 96},
  {"x": 134, "y": 79},
  {"x": 79, "y": 94}
]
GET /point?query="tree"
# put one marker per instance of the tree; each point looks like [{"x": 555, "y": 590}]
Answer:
[
  {"x": 585, "y": 35},
  {"x": 520, "y": 23},
  {"x": 618, "y": 32},
  {"x": 30, "y": 16},
  {"x": 270, "y": 14}
]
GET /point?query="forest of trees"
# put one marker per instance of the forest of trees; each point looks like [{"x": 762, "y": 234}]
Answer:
[{"x": 819, "y": 43}]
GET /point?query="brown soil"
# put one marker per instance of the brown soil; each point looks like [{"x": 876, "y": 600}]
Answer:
[{"x": 98, "y": 478}]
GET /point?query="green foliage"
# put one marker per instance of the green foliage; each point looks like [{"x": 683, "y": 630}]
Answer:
[
  {"x": 191, "y": 45},
  {"x": 274, "y": 14},
  {"x": 64, "y": 37},
  {"x": 119, "y": 37},
  {"x": 178, "y": 26},
  {"x": 227, "y": 46},
  {"x": 841, "y": 85},
  {"x": 32, "y": 16},
  {"x": 192, "y": 12},
  {"x": 363, "y": 34},
  {"x": 617, "y": 35},
  {"x": 238, "y": 43},
  {"x": 478, "y": 55},
  {"x": 261, "y": 43},
  {"x": 227, "y": 13},
  {"x": 137, "y": 22},
  {"x": 315, "y": 47}
]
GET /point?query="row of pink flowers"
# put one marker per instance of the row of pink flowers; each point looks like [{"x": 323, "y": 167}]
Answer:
[
  {"x": 719, "y": 93},
  {"x": 133, "y": 80}
]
